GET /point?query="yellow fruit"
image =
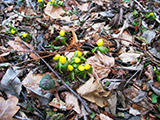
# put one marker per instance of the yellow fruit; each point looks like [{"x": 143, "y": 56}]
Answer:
[
  {"x": 87, "y": 66},
  {"x": 25, "y": 35},
  {"x": 39, "y": 1},
  {"x": 62, "y": 59},
  {"x": 81, "y": 68},
  {"x": 56, "y": 57},
  {"x": 53, "y": 1},
  {"x": 70, "y": 67},
  {"x": 100, "y": 42},
  {"x": 76, "y": 60},
  {"x": 79, "y": 53},
  {"x": 151, "y": 14},
  {"x": 13, "y": 31},
  {"x": 62, "y": 33}
]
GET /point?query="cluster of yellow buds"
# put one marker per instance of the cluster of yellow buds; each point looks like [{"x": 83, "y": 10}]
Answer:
[
  {"x": 52, "y": 1},
  {"x": 84, "y": 67},
  {"x": 75, "y": 66},
  {"x": 62, "y": 59}
]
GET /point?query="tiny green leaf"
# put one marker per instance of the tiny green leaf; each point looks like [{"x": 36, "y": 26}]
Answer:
[
  {"x": 47, "y": 82},
  {"x": 103, "y": 49},
  {"x": 94, "y": 49},
  {"x": 154, "y": 98},
  {"x": 107, "y": 83},
  {"x": 92, "y": 115},
  {"x": 60, "y": 67}
]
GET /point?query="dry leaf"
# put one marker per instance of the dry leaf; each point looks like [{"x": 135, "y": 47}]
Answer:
[
  {"x": 101, "y": 65},
  {"x": 129, "y": 56},
  {"x": 84, "y": 7},
  {"x": 93, "y": 91},
  {"x": 8, "y": 108},
  {"x": 149, "y": 72},
  {"x": 56, "y": 12},
  {"x": 18, "y": 46},
  {"x": 134, "y": 112},
  {"x": 70, "y": 99},
  {"x": 74, "y": 39},
  {"x": 104, "y": 117},
  {"x": 127, "y": 37}
]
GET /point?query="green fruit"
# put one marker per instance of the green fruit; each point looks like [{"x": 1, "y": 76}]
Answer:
[
  {"x": 158, "y": 78},
  {"x": 103, "y": 49},
  {"x": 47, "y": 82}
]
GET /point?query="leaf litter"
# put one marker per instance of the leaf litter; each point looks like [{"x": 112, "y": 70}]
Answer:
[{"x": 117, "y": 78}]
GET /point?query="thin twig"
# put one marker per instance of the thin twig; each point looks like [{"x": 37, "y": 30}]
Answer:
[
  {"x": 42, "y": 115},
  {"x": 67, "y": 86},
  {"x": 131, "y": 77}
]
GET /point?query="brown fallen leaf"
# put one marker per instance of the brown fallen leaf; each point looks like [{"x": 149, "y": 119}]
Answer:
[
  {"x": 101, "y": 65},
  {"x": 125, "y": 35},
  {"x": 74, "y": 39},
  {"x": 93, "y": 91},
  {"x": 56, "y": 12},
  {"x": 70, "y": 99},
  {"x": 149, "y": 72},
  {"x": 18, "y": 46},
  {"x": 8, "y": 108}
]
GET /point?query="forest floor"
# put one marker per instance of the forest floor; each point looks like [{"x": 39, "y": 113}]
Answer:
[{"x": 80, "y": 59}]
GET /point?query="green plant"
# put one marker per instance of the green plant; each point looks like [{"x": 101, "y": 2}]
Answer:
[
  {"x": 75, "y": 67},
  {"x": 135, "y": 13},
  {"x": 154, "y": 98},
  {"x": 12, "y": 30},
  {"x": 25, "y": 36},
  {"x": 158, "y": 75},
  {"x": 92, "y": 115},
  {"x": 62, "y": 37},
  {"x": 151, "y": 16},
  {"x": 100, "y": 47},
  {"x": 56, "y": 3},
  {"x": 52, "y": 47},
  {"x": 41, "y": 3}
]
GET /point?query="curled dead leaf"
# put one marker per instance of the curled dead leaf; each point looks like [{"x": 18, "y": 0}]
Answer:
[
  {"x": 70, "y": 99},
  {"x": 101, "y": 65},
  {"x": 93, "y": 91}
]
